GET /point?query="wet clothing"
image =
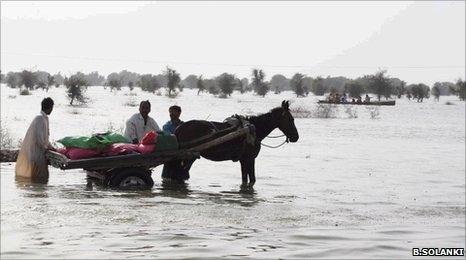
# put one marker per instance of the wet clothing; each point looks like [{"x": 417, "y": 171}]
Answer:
[
  {"x": 169, "y": 127},
  {"x": 136, "y": 128},
  {"x": 31, "y": 162}
]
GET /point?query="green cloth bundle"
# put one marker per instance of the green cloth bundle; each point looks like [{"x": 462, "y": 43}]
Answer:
[
  {"x": 166, "y": 142},
  {"x": 96, "y": 141}
]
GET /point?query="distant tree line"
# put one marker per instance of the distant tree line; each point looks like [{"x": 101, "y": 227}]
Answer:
[{"x": 379, "y": 84}]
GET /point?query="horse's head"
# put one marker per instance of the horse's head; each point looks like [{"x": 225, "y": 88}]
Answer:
[{"x": 286, "y": 122}]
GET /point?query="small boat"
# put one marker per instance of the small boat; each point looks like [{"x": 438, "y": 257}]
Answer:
[{"x": 376, "y": 103}]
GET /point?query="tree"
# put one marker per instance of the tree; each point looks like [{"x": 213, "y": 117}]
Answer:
[
  {"x": 42, "y": 80},
  {"x": 42, "y": 85},
  {"x": 200, "y": 85},
  {"x": 226, "y": 83},
  {"x": 74, "y": 86},
  {"x": 318, "y": 87},
  {"x": 239, "y": 85},
  {"x": 13, "y": 79},
  {"x": 28, "y": 79},
  {"x": 245, "y": 84},
  {"x": 436, "y": 92},
  {"x": 419, "y": 91},
  {"x": 296, "y": 84},
  {"x": 173, "y": 80},
  {"x": 58, "y": 79},
  {"x": 260, "y": 87},
  {"x": 126, "y": 77},
  {"x": 380, "y": 84},
  {"x": 398, "y": 86},
  {"x": 279, "y": 83},
  {"x": 148, "y": 82},
  {"x": 211, "y": 86},
  {"x": 131, "y": 85},
  {"x": 190, "y": 81},
  {"x": 460, "y": 85},
  {"x": 50, "y": 81},
  {"x": 307, "y": 85},
  {"x": 94, "y": 79},
  {"x": 444, "y": 87},
  {"x": 354, "y": 88},
  {"x": 114, "y": 81}
]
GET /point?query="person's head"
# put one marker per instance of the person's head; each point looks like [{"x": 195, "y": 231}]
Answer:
[
  {"x": 175, "y": 112},
  {"x": 144, "y": 108},
  {"x": 47, "y": 105}
]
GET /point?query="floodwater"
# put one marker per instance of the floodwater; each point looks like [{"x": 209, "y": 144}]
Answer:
[{"x": 349, "y": 188}]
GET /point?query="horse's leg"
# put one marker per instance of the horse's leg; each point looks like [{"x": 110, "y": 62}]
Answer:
[
  {"x": 244, "y": 171},
  {"x": 247, "y": 169},
  {"x": 252, "y": 173}
]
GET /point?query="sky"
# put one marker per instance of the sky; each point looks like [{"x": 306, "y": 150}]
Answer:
[{"x": 415, "y": 41}]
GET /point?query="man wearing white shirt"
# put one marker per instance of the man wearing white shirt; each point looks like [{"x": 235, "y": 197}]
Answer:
[{"x": 141, "y": 123}]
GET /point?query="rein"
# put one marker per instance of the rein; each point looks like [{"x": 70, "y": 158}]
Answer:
[
  {"x": 277, "y": 136},
  {"x": 270, "y": 146}
]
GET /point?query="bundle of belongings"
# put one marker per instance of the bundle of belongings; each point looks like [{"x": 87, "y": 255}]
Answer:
[{"x": 111, "y": 144}]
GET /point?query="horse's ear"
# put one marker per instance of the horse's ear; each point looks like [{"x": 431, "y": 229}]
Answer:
[{"x": 286, "y": 104}]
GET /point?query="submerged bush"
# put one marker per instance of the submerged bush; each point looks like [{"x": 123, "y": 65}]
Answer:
[
  {"x": 24, "y": 92},
  {"x": 131, "y": 103},
  {"x": 171, "y": 94},
  {"x": 6, "y": 142},
  {"x": 351, "y": 111},
  {"x": 74, "y": 112},
  {"x": 325, "y": 111},
  {"x": 115, "y": 129},
  {"x": 301, "y": 112},
  {"x": 373, "y": 111}
]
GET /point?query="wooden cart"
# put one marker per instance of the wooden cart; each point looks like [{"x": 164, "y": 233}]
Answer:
[{"x": 134, "y": 170}]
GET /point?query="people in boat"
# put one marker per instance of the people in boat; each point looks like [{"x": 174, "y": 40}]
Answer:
[
  {"x": 337, "y": 98},
  {"x": 344, "y": 98},
  {"x": 359, "y": 101},
  {"x": 330, "y": 97},
  {"x": 140, "y": 123},
  {"x": 367, "y": 99},
  {"x": 353, "y": 101},
  {"x": 170, "y": 126},
  {"x": 31, "y": 162}
]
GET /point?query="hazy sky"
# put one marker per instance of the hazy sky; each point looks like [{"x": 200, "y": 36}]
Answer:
[{"x": 415, "y": 41}]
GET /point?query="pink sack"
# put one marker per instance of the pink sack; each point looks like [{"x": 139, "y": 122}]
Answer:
[
  {"x": 62, "y": 151},
  {"x": 146, "y": 148},
  {"x": 120, "y": 149},
  {"x": 149, "y": 138},
  {"x": 80, "y": 153}
]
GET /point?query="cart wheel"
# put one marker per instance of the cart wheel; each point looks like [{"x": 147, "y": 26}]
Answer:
[{"x": 132, "y": 179}]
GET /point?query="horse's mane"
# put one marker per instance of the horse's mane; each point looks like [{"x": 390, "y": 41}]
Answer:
[{"x": 268, "y": 115}]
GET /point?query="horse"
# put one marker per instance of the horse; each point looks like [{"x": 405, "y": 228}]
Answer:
[{"x": 237, "y": 149}]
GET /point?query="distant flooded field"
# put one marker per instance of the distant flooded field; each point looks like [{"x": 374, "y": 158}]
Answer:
[{"x": 366, "y": 183}]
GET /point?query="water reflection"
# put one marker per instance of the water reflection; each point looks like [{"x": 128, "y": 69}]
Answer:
[{"x": 32, "y": 188}]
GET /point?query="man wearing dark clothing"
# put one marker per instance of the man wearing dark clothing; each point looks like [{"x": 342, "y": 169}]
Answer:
[{"x": 169, "y": 128}]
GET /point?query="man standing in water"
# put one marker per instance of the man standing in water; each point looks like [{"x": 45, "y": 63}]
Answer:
[
  {"x": 31, "y": 162},
  {"x": 169, "y": 128},
  {"x": 141, "y": 123}
]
